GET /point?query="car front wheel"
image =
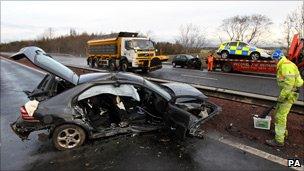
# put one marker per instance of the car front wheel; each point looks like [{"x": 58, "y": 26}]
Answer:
[
  {"x": 68, "y": 136},
  {"x": 255, "y": 56}
]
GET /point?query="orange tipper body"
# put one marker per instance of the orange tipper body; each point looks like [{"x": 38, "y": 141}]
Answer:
[{"x": 126, "y": 48}]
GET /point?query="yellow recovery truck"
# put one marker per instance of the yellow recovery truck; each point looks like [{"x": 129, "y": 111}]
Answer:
[{"x": 126, "y": 51}]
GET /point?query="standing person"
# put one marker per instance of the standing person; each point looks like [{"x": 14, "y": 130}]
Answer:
[
  {"x": 210, "y": 59},
  {"x": 289, "y": 81}
]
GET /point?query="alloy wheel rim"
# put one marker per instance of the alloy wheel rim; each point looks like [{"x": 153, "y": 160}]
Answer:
[
  {"x": 68, "y": 138},
  {"x": 224, "y": 55},
  {"x": 255, "y": 56}
]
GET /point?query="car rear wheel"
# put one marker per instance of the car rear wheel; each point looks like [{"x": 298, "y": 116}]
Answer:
[
  {"x": 255, "y": 56},
  {"x": 68, "y": 136},
  {"x": 224, "y": 54},
  {"x": 173, "y": 64}
]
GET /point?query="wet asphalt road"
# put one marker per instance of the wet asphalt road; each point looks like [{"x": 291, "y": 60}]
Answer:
[
  {"x": 152, "y": 151},
  {"x": 263, "y": 85}
]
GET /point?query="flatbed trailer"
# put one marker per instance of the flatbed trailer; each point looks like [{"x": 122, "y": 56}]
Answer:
[
  {"x": 239, "y": 65},
  {"x": 295, "y": 54}
]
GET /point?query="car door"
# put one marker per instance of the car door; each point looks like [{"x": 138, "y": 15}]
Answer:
[
  {"x": 181, "y": 120},
  {"x": 232, "y": 48},
  {"x": 39, "y": 58},
  {"x": 242, "y": 49},
  {"x": 177, "y": 60},
  {"x": 183, "y": 60}
]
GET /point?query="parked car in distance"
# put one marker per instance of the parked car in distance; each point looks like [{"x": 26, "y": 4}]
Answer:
[
  {"x": 242, "y": 50},
  {"x": 74, "y": 108},
  {"x": 188, "y": 61}
]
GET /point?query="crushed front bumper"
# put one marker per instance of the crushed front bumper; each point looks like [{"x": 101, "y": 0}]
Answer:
[{"x": 194, "y": 130}]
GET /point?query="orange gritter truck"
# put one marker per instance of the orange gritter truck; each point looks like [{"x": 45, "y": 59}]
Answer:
[{"x": 125, "y": 51}]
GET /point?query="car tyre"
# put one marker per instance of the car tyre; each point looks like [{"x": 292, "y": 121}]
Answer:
[
  {"x": 224, "y": 54},
  {"x": 173, "y": 64},
  {"x": 68, "y": 136},
  {"x": 255, "y": 56}
]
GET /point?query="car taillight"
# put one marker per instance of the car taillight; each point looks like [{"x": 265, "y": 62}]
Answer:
[{"x": 25, "y": 116}]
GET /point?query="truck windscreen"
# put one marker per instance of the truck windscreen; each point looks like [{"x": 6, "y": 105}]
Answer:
[{"x": 142, "y": 44}]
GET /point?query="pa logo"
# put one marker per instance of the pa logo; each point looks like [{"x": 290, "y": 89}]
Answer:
[{"x": 294, "y": 163}]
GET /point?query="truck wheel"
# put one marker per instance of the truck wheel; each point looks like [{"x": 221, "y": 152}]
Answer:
[
  {"x": 224, "y": 54},
  {"x": 112, "y": 65},
  {"x": 255, "y": 56},
  {"x": 68, "y": 136},
  {"x": 92, "y": 63},
  {"x": 124, "y": 66},
  {"x": 226, "y": 67},
  {"x": 144, "y": 71}
]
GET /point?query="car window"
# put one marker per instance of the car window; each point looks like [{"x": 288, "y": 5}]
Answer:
[
  {"x": 177, "y": 57},
  {"x": 242, "y": 44},
  {"x": 232, "y": 43},
  {"x": 122, "y": 90},
  {"x": 183, "y": 57},
  {"x": 159, "y": 90},
  {"x": 190, "y": 56}
]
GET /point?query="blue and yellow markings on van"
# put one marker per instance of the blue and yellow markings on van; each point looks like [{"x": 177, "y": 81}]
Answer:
[{"x": 245, "y": 53}]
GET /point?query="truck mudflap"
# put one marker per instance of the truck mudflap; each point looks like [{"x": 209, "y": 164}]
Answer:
[{"x": 195, "y": 130}]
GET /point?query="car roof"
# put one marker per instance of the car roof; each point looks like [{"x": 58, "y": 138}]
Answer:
[{"x": 110, "y": 76}]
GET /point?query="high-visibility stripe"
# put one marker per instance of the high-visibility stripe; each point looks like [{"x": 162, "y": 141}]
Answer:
[
  {"x": 238, "y": 52},
  {"x": 245, "y": 53}
]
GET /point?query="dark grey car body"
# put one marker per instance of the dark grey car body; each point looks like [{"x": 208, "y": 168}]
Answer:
[{"x": 177, "y": 105}]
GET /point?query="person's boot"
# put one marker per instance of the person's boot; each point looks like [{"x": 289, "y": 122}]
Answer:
[{"x": 274, "y": 143}]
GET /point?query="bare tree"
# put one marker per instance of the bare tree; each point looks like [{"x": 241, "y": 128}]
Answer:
[
  {"x": 49, "y": 33},
  {"x": 289, "y": 28},
  {"x": 294, "y": 24},
  {"x": 191, "y": 36},
  {"x": 246, "y": 28},
  {"x": 73, "y": 32},
  {"x": 258, "y": 26},
  {"x": 299, "y": 19}
]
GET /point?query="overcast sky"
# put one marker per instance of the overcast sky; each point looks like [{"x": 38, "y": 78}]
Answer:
[{"x": 23, "y": 20}]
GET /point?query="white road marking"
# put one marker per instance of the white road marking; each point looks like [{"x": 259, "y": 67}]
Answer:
[
  {"x": 194, "y": 76},
  {"x": 258, "y": 152}
]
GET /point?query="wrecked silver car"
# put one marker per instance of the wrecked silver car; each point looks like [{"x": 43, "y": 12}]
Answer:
[{"x": 75, "y": 108}]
